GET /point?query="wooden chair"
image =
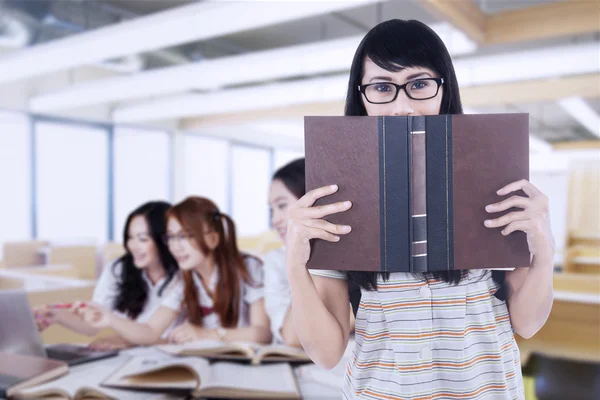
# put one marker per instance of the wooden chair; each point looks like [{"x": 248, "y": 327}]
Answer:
[
  {"x": 23, "y": 253},
  {"x": 582, "y": 254},
  {"x": 111, "y": 252},
  {"x": 83, "y": 259}
]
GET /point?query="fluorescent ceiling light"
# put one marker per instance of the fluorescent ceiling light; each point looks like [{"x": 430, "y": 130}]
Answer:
[
  {"x": 529, "y": 64},
  {"x": 309, "y": 91},
  {"x": 582, "y": 112},
  {"x": 185, "y": 24},
  {"x": 539, "y": 145},
  {"x": 245, "y": 99},
  {"x": 300, "y": 60}
]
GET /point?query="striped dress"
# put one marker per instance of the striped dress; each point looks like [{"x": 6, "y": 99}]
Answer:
[{"x": 426, "y": 339}]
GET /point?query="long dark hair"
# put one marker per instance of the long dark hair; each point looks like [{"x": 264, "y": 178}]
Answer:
[
  {"x": 133, "y": 289},
  {"x": 293, "y": 177},
  {"x": 198, "y": 215},
  {"x": 393, "y": 45}
]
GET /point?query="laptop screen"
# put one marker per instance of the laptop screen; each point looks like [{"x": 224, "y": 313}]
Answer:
[{"x": 18, "y": 331}]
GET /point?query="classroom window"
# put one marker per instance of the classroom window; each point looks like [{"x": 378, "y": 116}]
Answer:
[
  {"x": 251, "y": 177},
  {"x": 205, "y": 169},
  {"x": 72, "y": 182},
  {"x": 141, "y": 172},
  {"x": 15, "y": 178}
]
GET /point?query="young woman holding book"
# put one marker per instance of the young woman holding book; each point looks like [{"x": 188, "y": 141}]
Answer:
[
  {"x": 135, "y": 284},
  {"x": 221, "y": 297},
  {"x": 419, "y": 336}
]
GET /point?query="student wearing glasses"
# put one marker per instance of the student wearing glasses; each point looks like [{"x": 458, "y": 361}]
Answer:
[
  {"x": 221, "y": 297},
  {"x": 419, "y": 336},
  {"x": 134, "y": 285}
]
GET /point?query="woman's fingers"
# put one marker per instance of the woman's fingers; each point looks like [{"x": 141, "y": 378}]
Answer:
[
  {"x": 310, "y": 197},
  {"x": 524, "y": 226},
  {"x": 513, "y": 201},
  {"x": 524, "y": 185},
  {"x": 320, "y": 211},
  {"x": 328, "y": 226},
  {"x": 506, "y": 219}
]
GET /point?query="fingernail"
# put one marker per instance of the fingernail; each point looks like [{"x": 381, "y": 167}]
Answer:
[
  {"x": 500, "y": 191},
  {"x": 347, "y": 204},
  {"x": 487, "y": 222},
  {"x": 334, "y": 187},
  {"x": 337, "y": 238},
  {"x": 489, "y": 208},
  {"x": 346, "y": 228},
  {"x": 504, "y": 233}
]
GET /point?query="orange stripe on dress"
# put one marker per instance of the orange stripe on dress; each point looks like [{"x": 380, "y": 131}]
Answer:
[{"x": 462, "y": 395}]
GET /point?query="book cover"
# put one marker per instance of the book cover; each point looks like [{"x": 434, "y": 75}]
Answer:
[{"x": 419, "y": 187}]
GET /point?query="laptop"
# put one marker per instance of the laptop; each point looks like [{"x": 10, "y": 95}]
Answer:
[{"x": 19, "y": 334}]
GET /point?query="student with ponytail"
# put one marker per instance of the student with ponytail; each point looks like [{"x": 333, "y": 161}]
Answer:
[{"x": 222, "y": 293}]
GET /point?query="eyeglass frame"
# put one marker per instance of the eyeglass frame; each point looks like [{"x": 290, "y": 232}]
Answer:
[{"x": 439, "y": 81}]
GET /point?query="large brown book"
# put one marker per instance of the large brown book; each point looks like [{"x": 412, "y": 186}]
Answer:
[
  {"x": 18, "y": 372},
  {"x": 419, "y": 187}
]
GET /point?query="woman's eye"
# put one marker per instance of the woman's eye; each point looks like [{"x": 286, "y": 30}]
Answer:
[
  {"x": 383, "y": 88},
  {"x": 419, "y": 84},
  {"x": 282, "y": 206}
]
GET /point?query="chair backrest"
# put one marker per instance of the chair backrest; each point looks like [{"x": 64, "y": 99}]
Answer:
[
  {"x": 83, "y": 258},
  {"x": 111, "y": 252},
  {"x": 23, "y": 254}
]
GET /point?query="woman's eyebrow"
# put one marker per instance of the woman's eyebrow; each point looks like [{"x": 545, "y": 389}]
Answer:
[
  {"x": 417, "y": 75},
  {"x": 381, "y": 78},
  {"x": 408, "y": 78}
]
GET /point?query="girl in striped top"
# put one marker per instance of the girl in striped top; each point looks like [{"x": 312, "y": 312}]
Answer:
[{"x": 444, "y": 335}]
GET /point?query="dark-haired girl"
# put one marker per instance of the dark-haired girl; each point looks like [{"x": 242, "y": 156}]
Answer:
[
  {"x": 135, "y": 284},
  {"x": 221, "y": 297},
  {"x": 444, "y": 335}
]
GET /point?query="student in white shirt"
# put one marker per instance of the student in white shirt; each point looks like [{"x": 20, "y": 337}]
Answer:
[
  {"x": 222, "y": 292},
  {"x": 286, "y": 188},
  {"x": 134, "y": 285}
]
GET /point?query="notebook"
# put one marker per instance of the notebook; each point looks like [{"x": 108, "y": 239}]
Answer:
[
  {"x": 419, "y": 187},
  {"x": 241, "y": 351},
  {"x": 219, "y": 380},
  {"x": 84, "y": 382},
  {"x": 17, "y": 372}
]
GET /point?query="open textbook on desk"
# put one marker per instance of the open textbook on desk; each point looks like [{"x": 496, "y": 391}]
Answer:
[
  {"x": 240, "y": 351},
  {"x": 150, "y": 377},
  {"x": 217, "y": 380}
]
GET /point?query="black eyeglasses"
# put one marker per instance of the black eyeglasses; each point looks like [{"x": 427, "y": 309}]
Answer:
[{"x": 387, "y": 92}]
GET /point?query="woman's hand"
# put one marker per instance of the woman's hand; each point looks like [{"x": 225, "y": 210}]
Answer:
[
  {"x": 93, "y": 314},
  {"x": 305, "y": 223},
  {"x": 533, "y": 218},
  {"x": 187, "y": 332},
  {"x": 43, "y": 316},
  {"x": 109, "y": 343}
]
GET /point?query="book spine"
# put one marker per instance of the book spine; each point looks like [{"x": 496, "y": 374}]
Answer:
[
  {"x": 418, "y": 196},
  {"x": 395, "y": 211},
  {"x": 440, "y": 218}
]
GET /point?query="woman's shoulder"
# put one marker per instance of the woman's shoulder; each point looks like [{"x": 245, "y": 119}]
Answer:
[
  {"x": 274, "y": 258},
  {"x": 254, "y": 267}
]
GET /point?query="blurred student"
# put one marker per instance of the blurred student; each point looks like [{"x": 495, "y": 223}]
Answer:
[
  {"x": 222, "y": 292},
  {"x": 287, "y": 186},
  {"x": 135, "y": 284}
]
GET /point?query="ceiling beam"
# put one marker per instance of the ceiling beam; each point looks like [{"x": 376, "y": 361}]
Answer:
[
  {"x": 543, "y": 21},
  {"x": 194, "y": 22},
  {"x": 537, "y": 91},
  {"x": 578, "y": 145},
  {"x": 464, "y": 15},
  {"x": 582, "y": 112}
]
